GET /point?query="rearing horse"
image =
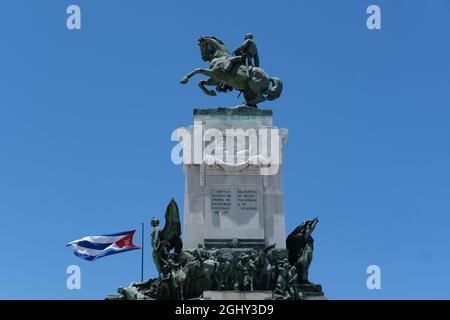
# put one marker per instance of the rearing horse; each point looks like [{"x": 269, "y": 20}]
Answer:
[{"x": 255, "y": 83}]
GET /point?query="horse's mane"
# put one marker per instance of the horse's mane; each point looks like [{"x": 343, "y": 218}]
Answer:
[
  {"x": 220, "y": 43},
  {"x": 217, "y": 39}
]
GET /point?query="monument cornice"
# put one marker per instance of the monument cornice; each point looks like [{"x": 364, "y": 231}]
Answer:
[{"x": 239, "y": 111}]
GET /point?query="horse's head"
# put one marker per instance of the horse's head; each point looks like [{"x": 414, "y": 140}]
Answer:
[{"x": 211, "y": 47}]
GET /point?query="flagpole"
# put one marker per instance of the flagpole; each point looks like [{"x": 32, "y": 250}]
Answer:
[{"x": 142, "y": 252}]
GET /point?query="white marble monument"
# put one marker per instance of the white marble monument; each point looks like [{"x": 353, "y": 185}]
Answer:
[{"x": 232, "y": 160}]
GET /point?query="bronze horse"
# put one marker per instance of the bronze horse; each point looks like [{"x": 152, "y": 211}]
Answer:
[{"x": 256, "y": 85}]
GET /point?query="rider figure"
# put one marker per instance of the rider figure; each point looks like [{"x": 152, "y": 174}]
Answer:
[{"x": 246, "y": 54}]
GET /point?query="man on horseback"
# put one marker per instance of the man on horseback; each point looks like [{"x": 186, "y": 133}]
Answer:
[
  {"x": 239, "y": 72},
  {"x": 246, "y": 54}
]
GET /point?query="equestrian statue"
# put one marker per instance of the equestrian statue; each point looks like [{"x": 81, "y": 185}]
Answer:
[{"x": 240, "y": 72}]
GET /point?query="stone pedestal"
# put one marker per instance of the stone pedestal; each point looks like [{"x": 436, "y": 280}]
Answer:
[
  {"x": 234, "y": 228},
  {"x": 312, "y": 292},
  {"x": 233, "y": 179}
]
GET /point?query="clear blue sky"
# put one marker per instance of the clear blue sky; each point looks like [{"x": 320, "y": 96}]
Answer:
[{"x": 86, "y": 118}]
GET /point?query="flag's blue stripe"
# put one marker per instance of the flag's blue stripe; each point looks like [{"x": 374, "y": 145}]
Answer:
[
  {"x": 112, "y": 251},
  {"x": 93, "y": 245},
  {"x": 84, "y": 256},
  {"x": 101, "y": 254}
]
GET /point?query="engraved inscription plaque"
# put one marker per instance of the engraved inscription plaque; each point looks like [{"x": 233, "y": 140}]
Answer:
[
  {"x": 221, "y": 205},
  {"x": 235, "y": 207},
  {"x": 247, "y": 200},
  {"x": 221, "y": 200}
]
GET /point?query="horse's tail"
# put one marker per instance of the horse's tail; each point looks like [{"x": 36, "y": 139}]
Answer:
[{"x": 277, "y": 88}]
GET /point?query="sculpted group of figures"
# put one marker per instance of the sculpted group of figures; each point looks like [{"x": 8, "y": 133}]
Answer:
[{"x": 185, "y": 274}]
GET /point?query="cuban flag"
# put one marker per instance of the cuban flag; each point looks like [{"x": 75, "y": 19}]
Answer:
[{"x": 94, "y": 247}]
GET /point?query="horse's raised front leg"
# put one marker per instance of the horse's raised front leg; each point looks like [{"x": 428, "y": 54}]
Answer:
[
  {"x": 208, "y": 82},
  {"x": 202, "y": 71}
]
